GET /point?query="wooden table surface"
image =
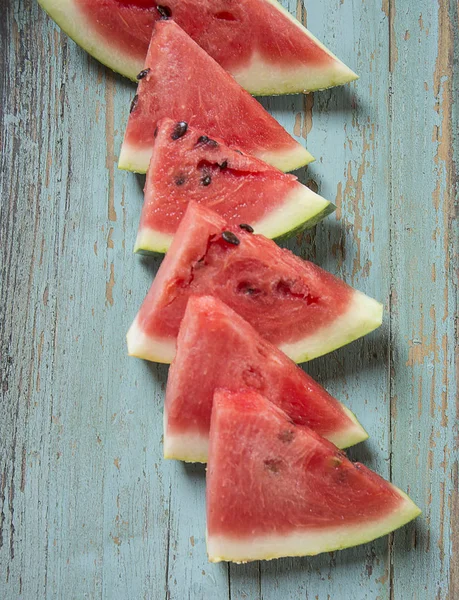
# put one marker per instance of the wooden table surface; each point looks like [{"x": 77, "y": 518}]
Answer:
[{"x": 88, "y": 506}]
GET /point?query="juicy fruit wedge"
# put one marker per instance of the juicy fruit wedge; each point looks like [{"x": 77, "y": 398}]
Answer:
[
  {"x": 184, "y": 83},
  {"x": 240, "y": 188},
  {"x": 278, "y": 489},
  {"x": 265, "y": 49},
  {"x": 292, "y": 303},
  {"x": 231, "y": 354}
]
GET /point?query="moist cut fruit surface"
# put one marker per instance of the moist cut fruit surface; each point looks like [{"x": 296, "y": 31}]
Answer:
[
  {"x": 278, "y": 489},
  {"x": 188, "y": 165},
  {"x": 231, "y": 354},
  {"x": 257, "y": 41},
  {"x": 182, "y": 82},
  {"x": 292, "y": 303}
]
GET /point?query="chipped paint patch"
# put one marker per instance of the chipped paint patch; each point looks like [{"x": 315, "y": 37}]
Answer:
[{"x": 109, "y": 285}]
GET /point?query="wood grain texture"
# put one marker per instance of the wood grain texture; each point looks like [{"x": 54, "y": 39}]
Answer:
[{"x": 88, "y": 507}]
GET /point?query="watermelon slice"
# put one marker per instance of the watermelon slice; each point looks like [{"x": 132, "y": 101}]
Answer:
[
  {"x": 291, "y": 302},
  {"x": 278, "y": 489},
  {"x": 231, "y": 354},
  {"x": 240, "y": 188},
  {"x": 265, "y": 49},
  {"x": 184, "y": 83}
]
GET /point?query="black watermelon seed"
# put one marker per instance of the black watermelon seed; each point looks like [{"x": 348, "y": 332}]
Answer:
[
  {"x": 207, "y": 180},
  {"x": 180, "y": 180},
  {"x": 224, "y": 164},
  {"x": 134, "y": 103},
  {"x": 203, "y": 139},
  {"x": 238, "y": 151},
  {"x": 164, "y": 12},
  {"x": 229, "y": 237},
  {"x": 143, "y": 74},
  {"x": 179, "y": 130},
  {"x": 246, "y": 227},
  {"x": 155, "y": 133}
]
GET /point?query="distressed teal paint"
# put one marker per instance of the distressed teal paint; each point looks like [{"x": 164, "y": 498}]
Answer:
[
  {"x": 88, "y": 507},
  {"x": 424, "y": 295}
]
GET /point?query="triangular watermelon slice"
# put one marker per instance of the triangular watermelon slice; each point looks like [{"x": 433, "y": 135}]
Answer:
[
  {"x": 265, "y": 49},
  {"x": 240, "y": 188},
  {"x": 293, "y": 303},
  {"x": 183, "y": 82},
  {"x": 231, "y": 354},
  {"x": 278, "y": 489}
]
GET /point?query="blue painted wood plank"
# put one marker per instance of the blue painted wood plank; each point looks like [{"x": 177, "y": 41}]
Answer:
[
  {"x": 84, "y": 491},
  {"x": 424, "y": 293}
]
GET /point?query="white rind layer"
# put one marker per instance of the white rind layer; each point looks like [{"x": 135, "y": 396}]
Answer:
[
  {"x": 287, "y": 160},
  {"x": 265, "y": 79},
  {"x": 151, "y": 240},
  {"x": 77, "y": 26},
  {"x": 349, "y": 437},
  {"x": 133, "y": 159},
  {"x": 309, "y": 542},
  {"x": 190, "y": 447},
  {"x": 363, "y": 315},
  {"x": 300, "y": 206},
  {"x": 148, "y": 347}
]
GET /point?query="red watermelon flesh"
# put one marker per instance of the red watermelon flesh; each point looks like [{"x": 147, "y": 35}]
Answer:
[
  {"x": 279, "y": 489},
  {"x": 231, "y": 354},
  {"x": 291, "y": 302},
  {"x": 184, "y": 83},
  {"x": 257, "y": 41},
  {"x": 240, "y": 188}
]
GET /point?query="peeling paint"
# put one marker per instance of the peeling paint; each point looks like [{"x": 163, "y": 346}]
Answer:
[
  {"x": 109, "y": 238},
  {"x": 109, "y": 285},
  {"x": 297, "y": 126}
]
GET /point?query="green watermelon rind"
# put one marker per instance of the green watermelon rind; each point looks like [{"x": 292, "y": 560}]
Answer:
[
  {"x": 340, "y": 332},
  {"x": 312, "y": 542},
  {"x": 73, "y": 22},
  {"x": 76, "y": 25},
  {"x": 302, "y": 210},
  {"x": 308, "y": 224},
  {"x": 363, "y": 316},
  {"x": 150, "y": 242}
]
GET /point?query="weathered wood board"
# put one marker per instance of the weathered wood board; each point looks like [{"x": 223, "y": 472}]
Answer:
[{"x": 88, "y": 507}]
